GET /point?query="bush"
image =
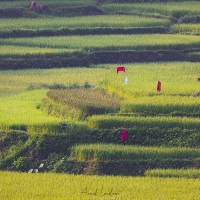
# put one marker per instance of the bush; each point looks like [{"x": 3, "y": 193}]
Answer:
[
  {"x": 22, "y": 150},
  {"x": 69, "y": 166},
  {"x": 52, "y": 159},
  {"x": 11, "y": 138},
  {"x": 20, "y": 164}
]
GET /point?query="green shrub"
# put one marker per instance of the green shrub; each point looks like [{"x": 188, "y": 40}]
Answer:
[
  {"x": 11, "y": 138},
  {"x": 52, "y": 159},
  {"x": 69, "y": 166},
  {"x": 20, "y": 164},
  {"x": 23, "y": 150}
]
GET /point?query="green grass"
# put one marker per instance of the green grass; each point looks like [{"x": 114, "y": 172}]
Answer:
[
  {"x": 61, "y": 186},
  {"x": 22, "y": 109},
  {"x": 171, "y": 9},
  {"x": 166, "y": 105},
  {"x": 22, "y": 112},
  {"x": 51, "y": 3},
  {"x": 179, "y": 82},
  {"x": 106, "y": 121},
  {"x": 18, "y": 108},
  {"x": 176, "y": 173},
  {"x": 193, "y": 29},
  {"x": 110, "y": 42},
  {"x": 107, "y": 152},
  {"x": 105, "y": 21},
  {"x": 177, "y": 78},
  {"x": 14, "y": 82},
  {"x": 12, "y": 51}
]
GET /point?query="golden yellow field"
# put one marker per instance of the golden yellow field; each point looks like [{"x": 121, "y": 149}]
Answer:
[{"x": 23, "y": 186}]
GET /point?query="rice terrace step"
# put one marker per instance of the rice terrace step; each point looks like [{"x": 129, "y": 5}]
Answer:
[{"x": 99, "y": 99}]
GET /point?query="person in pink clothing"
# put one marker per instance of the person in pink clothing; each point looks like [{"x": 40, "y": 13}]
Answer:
[
  {"x": 159, "y": 86},
  {"x": 121, "y": 69},
  {"x": 124, "y": 136}
]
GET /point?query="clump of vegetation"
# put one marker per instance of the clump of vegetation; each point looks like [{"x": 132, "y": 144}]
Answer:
[
  {"x": 80, "y": 102},
  {"x": 57, "y": 86}
]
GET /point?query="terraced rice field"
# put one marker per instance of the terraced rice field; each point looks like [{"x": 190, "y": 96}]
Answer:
[
  {"x": 169, "y": 117},
  {"x": 73, "y": 187}
]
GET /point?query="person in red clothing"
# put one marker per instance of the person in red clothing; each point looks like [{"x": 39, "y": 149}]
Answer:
[
  {"x": 124, "y": 136},
  {"x": 121, "y": 69},
  {"x": 159, "y": 86}
]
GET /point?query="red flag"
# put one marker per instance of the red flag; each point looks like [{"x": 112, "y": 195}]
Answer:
[
  {"x": 159, "y": 86},
  {"x": 124, "y": 135}
]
